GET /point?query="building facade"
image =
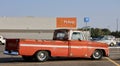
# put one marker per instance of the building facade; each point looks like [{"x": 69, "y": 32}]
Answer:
[{"x": 34, "y": 27}]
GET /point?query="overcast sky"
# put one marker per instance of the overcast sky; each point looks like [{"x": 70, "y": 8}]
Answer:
[{"x": 102, "y": 13}]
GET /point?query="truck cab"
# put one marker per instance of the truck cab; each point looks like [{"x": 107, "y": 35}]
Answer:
[
  {"x": 65, "y": 34},
  {"x": 65, "y": 43}
]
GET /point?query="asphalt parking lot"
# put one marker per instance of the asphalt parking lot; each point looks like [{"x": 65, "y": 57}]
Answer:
[{"x": 113, "y": 60}]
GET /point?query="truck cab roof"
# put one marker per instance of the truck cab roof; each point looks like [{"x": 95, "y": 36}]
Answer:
[{"x": 70, "y": 34}]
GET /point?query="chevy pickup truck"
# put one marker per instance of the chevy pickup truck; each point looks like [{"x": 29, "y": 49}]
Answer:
[{"x": 65, "y": 43}]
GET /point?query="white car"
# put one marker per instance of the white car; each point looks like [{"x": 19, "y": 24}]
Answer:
[
  {"x": 108, "y": 39},
  {"x": 2, "y": 40}
]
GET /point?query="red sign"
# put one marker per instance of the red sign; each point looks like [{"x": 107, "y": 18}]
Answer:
[{"x": 66, "y": 22}]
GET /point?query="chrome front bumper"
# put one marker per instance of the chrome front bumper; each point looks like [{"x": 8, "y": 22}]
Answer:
[{"x": 11, "y": 52}]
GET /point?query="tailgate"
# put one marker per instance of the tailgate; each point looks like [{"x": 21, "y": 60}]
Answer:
[{"x": 12, "y": 46}]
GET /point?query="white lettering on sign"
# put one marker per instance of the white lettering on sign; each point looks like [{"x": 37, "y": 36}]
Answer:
[{"x": 68, "y": 22}]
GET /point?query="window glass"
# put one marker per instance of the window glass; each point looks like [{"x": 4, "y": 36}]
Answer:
[
  {"x": 60, "y": 35},
  {"x": 76, "y": 36}
]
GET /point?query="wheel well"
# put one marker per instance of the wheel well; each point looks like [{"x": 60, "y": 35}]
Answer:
[
  {"x": 43, "y": 50},
  {"x": 103, "y": 51},
  {"x": 48, "y": 52}
]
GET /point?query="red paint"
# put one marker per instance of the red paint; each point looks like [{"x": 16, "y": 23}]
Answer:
[
  {"x": 73, "y": 48},
  {"x": 56, "y": 47}
]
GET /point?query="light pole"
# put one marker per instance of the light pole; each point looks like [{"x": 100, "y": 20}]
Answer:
[
  {"x": 86, "y": 20},
  {"x": 117, "y": 24}
]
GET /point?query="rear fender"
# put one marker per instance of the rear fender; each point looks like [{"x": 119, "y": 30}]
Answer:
[{"x": 43, "y": 50}]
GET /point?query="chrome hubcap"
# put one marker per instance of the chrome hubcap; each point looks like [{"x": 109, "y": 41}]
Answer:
[
  {"x": 96, "y": 55},
  {"x": 41, "y": 56}
]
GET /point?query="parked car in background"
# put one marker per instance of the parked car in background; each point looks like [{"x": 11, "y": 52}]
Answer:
[
  {"x": 108, "y": 39},
  {"x": 2, "y": 40}
]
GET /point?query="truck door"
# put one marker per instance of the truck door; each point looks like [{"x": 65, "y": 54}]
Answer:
[
  {"x": 77, "y": 45},
  {"x": 61, "y": 44},
  {"x": 60, "y": 48}
]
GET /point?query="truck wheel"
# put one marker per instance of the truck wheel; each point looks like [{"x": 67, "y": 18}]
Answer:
[
  {"x": 27, "y": 58},
  {"x": 97, "y": 55},
  {"x": 111, "y": 44},
  {"x": 42, "y": 56}
]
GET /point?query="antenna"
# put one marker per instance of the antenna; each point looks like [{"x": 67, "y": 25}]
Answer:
[{"x": 117, "y": 24}]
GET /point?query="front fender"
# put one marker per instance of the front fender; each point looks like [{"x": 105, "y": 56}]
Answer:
[{"x": 105, "y": 51}]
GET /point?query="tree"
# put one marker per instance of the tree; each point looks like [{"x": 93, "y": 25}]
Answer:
[
  {"x": 97, "y": 32},
  {"x": 116, "y": 34},
  {"x": 106, "y": 31}
]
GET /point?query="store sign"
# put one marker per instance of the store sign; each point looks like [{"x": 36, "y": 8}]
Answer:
[{"x": 66, "y": 22}]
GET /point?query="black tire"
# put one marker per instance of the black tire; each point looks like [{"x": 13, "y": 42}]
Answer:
[
  {"x": 42, "y": 56},
  {"x": 112, "y": 44},
  {"x": 97, "y": 55},
  {"x": 3, "y": 44},
  {"x": 27, "y": 58}
]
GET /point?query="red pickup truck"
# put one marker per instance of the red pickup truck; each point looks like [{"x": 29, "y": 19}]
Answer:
[{"x": 65, "y": 43}]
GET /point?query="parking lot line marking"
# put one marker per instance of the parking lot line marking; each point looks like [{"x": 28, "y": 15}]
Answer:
[{"x": 112, "y": 61}]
